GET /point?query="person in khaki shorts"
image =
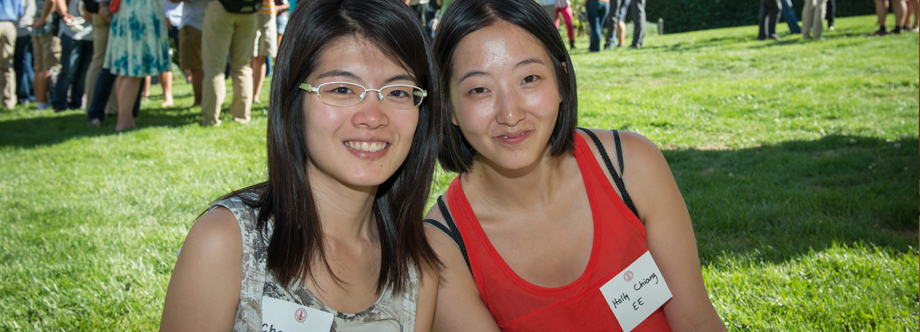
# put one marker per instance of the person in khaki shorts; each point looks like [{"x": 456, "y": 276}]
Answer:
[
  {"x": 190, "y": 27},
  {"x": 46, "y": 50},
  {"x": 226, "y": 34},
  {"x": 266, "y": 46},
  {"x": 101, "y": 22},
  {"x": 10, "y": 11}
]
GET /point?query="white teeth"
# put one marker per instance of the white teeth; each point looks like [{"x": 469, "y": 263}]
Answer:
[{"x": 367, "y": 147}]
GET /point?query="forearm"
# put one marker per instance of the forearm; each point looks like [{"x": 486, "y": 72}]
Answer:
[
  {"x": 61, "y": 7},
  {"x": 46, "y": 10}
]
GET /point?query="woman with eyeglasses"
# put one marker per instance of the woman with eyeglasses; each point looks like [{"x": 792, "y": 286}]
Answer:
[
  {"x": 549, "y": 228},
  {"x": 333, "y": 240}
]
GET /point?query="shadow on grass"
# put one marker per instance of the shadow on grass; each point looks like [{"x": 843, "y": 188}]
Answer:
[
  {"x": 703, "y": 43},
  {"x": 774, "y": 203},
  {"x": 49, "y": 130},
  {"x": 775, "y": 43}
]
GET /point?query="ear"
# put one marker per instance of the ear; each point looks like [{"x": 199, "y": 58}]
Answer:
[
  {"x": 564, "y": 67},
  {"x": 453, "y": 115}
]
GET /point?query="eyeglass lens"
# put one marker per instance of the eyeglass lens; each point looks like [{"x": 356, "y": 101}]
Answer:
[{"x": 345, "y": 94}]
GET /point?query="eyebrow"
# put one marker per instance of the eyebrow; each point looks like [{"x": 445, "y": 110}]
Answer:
[
  {"x": 472, "y": 74},
  {"x": 352, "y": 76},
  {"x": 517, "y": 65},
  {"x": 339, "y": 72},
  {"x": 400, "y": 77},
  {"x": 528, "y": 61}
]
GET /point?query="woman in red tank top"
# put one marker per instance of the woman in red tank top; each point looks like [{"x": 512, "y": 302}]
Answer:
[{"x": 534, "y": 234}]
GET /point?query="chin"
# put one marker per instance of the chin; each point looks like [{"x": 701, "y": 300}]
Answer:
[{"x": 370, "y": 179}]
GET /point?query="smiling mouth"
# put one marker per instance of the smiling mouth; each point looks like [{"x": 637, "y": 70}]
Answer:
[
  {"x": 367, "y": 147},
  {"x": 512, "y": 136}
]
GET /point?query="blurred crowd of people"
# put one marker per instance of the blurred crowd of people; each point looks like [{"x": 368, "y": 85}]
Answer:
[
  {"x": 85, "y": 54},
  {"x": 99, "y": 55},
  {"x": 815, "y": 12}
]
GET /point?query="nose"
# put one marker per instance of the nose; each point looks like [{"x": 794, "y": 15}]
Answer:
[
  {"x": 510, "y": 108},
  {"x": 370, "y": 114}
]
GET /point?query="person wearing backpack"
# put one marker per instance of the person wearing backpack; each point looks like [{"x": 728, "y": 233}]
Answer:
[{"x": 229, "y": 30}]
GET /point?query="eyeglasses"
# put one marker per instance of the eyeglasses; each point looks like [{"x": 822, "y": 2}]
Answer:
[{"x": 342, "y": 94}]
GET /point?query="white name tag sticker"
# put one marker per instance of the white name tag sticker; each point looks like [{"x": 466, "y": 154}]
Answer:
[
  {"x": 284, "y": 316},
  {"x": 637, "y": 292}
]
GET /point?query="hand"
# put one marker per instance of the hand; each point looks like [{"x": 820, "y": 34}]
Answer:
[
  {"x": 39, "y": 22},
  {"x": 67, "y": 19},
  {"x": 104, "y": 12}
]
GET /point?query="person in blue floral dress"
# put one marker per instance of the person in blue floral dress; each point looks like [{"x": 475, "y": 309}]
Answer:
[{"x": 138, "y": 47}]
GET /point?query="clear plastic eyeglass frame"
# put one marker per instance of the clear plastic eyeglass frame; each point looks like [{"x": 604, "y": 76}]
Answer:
[{"x": 347, "y": 99}]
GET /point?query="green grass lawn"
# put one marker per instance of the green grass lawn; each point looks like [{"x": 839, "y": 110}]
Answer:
[{"x": 798, "y": 161}]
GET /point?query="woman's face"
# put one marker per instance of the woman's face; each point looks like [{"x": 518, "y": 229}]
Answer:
[
  {"x": 364, "y": 144},
  {"x": 504, "y": 95}
]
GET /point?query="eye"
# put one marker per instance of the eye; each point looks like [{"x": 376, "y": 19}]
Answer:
[
  {"x": 478, "y": 91},
  {"x": 530, "y": 79},
  {"x": 341, "y": 90},
  {"x": 398, "y": 93}
]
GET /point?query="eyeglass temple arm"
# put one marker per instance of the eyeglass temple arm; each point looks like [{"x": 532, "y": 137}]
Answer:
[{"x": 308, "y": 87}]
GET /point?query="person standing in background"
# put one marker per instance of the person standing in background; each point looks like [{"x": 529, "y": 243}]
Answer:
[
  {"x": 22, "y": 59},
  {"x": 812, "y": 18},
  {"x": 281, "y": 7},
  {"x": 420, "y": 7},
  {"x": 768, "y": 19},
  {"x": 789, "y": 16},
  {"x": 10, "y": 12},
  {"x": 549, "y": 6},
  {"x": 913, "y": 9},
  {"x": 190, "y": 26},
  {"x": 832, "y": 13},
  {"x": 227, "y": 34},
  {"x": 637, "y": 12},
  {"x": 137, "y": 47},
  {"x": 76, "y": 33},
  {"x": 564, "y": 8},
  {"x": 266, "y": 45},
  {"x": 899, "y": 7},
  {"x": 46, "y": 49},
  {"x": 101, "y": 21},
  {"x": 173, "y": 22},
  {"x": 597, "y": 13},
  {"x": 613, "y": 24}
]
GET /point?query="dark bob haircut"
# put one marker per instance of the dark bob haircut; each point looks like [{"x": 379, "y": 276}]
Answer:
[
  {"x": 285, "y": 202},
  {"x": 464, "y": 17}
]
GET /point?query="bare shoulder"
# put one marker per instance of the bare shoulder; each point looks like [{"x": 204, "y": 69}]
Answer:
[
  {"x": 435, "y": 213},
  {"x": 207, "y": 275},
  {"x": 459, "y": 306},
  {"x": 642, "y": 159},
  {"x": 215, "y": 233}
]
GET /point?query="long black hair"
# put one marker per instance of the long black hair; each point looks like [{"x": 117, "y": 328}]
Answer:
[
  {"x": 464, "y": 17},
  {"x": 285, "y": 202}
]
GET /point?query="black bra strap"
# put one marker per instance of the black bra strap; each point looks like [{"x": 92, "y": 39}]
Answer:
[
  {"x": 451, "y": 230},
  {"x": 613, "y": 173}
]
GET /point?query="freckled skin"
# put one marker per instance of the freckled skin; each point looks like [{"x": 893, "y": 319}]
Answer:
[{"x": 505, "y": 85}]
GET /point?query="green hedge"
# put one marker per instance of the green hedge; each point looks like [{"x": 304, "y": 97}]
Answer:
[{"x": 692, "y": 15}]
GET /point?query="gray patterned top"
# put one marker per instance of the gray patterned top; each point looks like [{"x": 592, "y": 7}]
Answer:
[{"x": 391, "y": 312}]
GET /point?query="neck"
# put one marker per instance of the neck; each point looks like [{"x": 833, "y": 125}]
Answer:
[
  {"x": 346, "y": 212},
  {"x": 518, "y": 188}
]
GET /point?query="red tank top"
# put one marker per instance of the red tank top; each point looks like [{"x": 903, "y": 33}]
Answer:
[{"x": 517, "y": 305}]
